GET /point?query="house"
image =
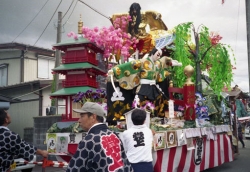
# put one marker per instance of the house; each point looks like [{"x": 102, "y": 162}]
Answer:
[{"x": 25, "y": 75}]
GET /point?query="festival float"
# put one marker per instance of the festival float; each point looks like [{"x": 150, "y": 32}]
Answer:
[{"x": 191, "y": 127}]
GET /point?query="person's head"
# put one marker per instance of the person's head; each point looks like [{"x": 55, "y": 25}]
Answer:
[
  {"x": 4, "y": 118},
  {"x": 90, "y": 114},
  {"x": 155, "y": 54},
  {"x": 134, "y": 10},
  {"x": 138, "y": 116}
]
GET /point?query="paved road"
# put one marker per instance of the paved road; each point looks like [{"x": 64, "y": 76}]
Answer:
[{"x": 241, "y": 163}]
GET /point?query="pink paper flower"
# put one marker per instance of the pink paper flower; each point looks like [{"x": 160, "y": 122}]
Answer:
[{"x": 113, "y": 39}]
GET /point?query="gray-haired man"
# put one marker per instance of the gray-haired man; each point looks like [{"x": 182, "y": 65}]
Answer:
[{"x": 101, "y": 149}]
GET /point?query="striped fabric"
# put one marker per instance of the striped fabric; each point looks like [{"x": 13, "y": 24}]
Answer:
[{"x": 179, "y": 159}]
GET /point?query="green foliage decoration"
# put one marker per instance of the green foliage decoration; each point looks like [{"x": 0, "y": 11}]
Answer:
[
  {"x": 220, "y": 68},
  {"x": 181, "y": 53},
  {"x": 203, "y": 48}
]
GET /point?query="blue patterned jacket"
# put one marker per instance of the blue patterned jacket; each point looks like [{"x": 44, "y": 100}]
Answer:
[
  {"x": 12, "y": 145},
  {"x": 101, "y": 150}
]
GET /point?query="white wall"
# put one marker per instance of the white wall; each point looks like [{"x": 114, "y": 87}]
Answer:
[
  {"x": 22, "y": 116},
  {"x": 13, "y": 70},
  {"x": 30, "y": 70},
  {"x": 12, "y": 57}
]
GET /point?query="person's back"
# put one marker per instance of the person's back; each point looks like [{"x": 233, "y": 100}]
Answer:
[
  {"x": 101, "y": 151},
  {"x": 137, "y": 142}
]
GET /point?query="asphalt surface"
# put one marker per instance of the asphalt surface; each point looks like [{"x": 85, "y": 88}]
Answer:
[{"x": 241, "y": 163}]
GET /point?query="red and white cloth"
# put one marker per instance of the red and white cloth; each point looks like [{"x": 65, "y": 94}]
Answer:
[{"x": 179, "y": 159}]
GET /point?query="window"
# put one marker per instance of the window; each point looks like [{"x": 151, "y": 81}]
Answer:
[
  {"x": 45, "y": 67},
  {"x": 75, "y": 105},
  {"x": 3, "y": 74},
  {"x": 61, "y": 106}
]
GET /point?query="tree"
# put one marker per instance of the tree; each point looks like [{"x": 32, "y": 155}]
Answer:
[{"x": 204, "y": 51}]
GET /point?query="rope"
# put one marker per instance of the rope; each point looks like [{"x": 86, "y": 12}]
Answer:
[
  {"x": 45, "y": 163},
  {"x": 31, "y": 92}
]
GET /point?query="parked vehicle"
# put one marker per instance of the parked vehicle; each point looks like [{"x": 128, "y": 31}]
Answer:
[{"x": 246, "y": 121}]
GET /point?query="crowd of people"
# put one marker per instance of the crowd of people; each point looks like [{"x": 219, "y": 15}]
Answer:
[{"x": 100, "y": 150}]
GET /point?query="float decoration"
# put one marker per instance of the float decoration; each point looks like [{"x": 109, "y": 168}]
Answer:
[
  {"x": 113, "y": 40},
  {"x": 187, "y": 104},
  {"x": 98, "y": 96},
  {"x": 206, "y": 53}
]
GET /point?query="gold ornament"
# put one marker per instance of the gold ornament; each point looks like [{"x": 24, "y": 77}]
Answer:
[
  {"x": 117, "y": 71},
  {"x": 122, "y": 118},
  {"x": 136, "y": 64}
]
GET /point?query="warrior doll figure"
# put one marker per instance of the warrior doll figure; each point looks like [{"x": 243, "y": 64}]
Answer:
[
  {"x": 143, "y": 75},
  {"x": 137, "y": 27},
  {"x": 135, "y": 14}
]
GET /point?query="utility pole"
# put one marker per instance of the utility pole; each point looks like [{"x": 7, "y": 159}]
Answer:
[
  {"x": 58, "y": 40},
  {"x": 247, "y": 4},
  {"x": 55, "y": 83}
]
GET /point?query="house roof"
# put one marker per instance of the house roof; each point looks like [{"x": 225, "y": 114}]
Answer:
[
  {"x": 4, "y": 98},
  {"x": 76, "y": 66},
  {"x": 20, "y": 46},
  {"x": 233, "y": 93},
  {"x": 237, "y": 93},
  {"x": 41, "y": 82},
  {"x": 71, "y": 91},
  {"x": 81, "y": 41}
]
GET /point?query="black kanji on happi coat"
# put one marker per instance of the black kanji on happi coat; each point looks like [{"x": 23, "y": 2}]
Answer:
[{"x": 139, "y": 138}]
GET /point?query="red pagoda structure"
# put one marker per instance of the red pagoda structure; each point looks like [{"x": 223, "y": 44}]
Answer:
[{"x": 80, "y": 67}]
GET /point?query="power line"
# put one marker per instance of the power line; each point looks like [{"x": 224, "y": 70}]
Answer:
[
  {"x": 94, "y": 10},
  {"x": 70, "y": 14},
  {"x": 48, "y": 23},
  {"x": 30, "y": 22},
  {"x": 68, "y": 9}
]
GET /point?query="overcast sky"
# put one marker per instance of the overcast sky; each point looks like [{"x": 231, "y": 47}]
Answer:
[{"x": 229, "y": 20}]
